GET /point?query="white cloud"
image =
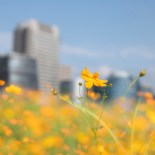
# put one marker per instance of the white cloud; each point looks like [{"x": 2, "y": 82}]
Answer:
[
  {"x": 78, "y": 51},
  {"x": 5, "y": 42},
  {"x": 137, "y": 52}
]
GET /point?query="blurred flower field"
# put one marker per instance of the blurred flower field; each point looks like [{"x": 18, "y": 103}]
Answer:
[
  {"x": 45, "y": 128},
  {"x": 33, "y": 123}
]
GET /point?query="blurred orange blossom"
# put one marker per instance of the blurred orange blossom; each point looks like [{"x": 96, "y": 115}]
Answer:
[{"x": 2, "y": 82}]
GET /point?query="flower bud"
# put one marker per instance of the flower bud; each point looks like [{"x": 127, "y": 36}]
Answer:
[
  {"x": 142, "y": 73},
  {"x": 80, "y": 83},
  {"x": 110, "y": 85},
  {"x": 54, "y": 91}
]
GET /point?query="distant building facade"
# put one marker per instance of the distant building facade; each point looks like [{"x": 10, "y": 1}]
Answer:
[
  {"x": 65, "y": 73},
  {"x": 66, "y": 87},
  {"x": 65, "y": 80},
  {"x": 120, "y": 83},
  {"x": 19, "y": 70},
  {"x": 41, "y": 42}
]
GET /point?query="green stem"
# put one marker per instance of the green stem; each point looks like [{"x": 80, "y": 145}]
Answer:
[
  {"x": 131, "y": 84},
  {"x": 83, "y": 109},
  {"x": 80, "y": 97},
  {"x": 105, "y": 125},
  {"x": 105, "y": 95},
  {"x": 79, "y": 92},
  {"x": 100, "y": 116},
  {"x": 103, "y": 99},
  {"x": 87, "y": 98},
  {"x": 83, "y": 113}
]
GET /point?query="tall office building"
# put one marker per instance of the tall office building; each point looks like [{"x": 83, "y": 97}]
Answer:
[{"x": 42, "y": 43}]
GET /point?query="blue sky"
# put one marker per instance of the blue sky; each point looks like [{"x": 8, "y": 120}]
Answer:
[{"x": 102, "y": 35}]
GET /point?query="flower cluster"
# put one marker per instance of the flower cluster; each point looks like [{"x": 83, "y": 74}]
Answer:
[{"x": 32, "y": 128}]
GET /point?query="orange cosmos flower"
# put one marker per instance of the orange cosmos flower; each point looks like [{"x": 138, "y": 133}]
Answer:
[
  {"x": 2, "y": 82},
  {"x": 92, "y": 79},
  {"x": 93, "y": 95}
]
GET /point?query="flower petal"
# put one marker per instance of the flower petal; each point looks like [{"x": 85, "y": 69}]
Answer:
[
  {"x": 97, "y": 83},
  {"x": 104, "y": 81},
  {"x": 86, "y": 75},
  {"x": 100, "y": 83},
  {"x": 89, "y": 84},
  {"x": 103, "y": 85},
  {"x": 86, "y": 78}
]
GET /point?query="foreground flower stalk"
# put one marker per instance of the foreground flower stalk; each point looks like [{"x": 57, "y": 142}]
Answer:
[
  {"x": 90, "y": 81},
  {"x": 87, "y": 112}
]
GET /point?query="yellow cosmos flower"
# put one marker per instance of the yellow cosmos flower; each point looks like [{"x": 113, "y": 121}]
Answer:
[
  {"x": 13, "y": 89},
  {"x": 92, "y": 79},
  {"x": 2, "y": 82}
]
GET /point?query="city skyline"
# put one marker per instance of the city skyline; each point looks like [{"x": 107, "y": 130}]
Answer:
[{"x": 101, "y": 35}]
